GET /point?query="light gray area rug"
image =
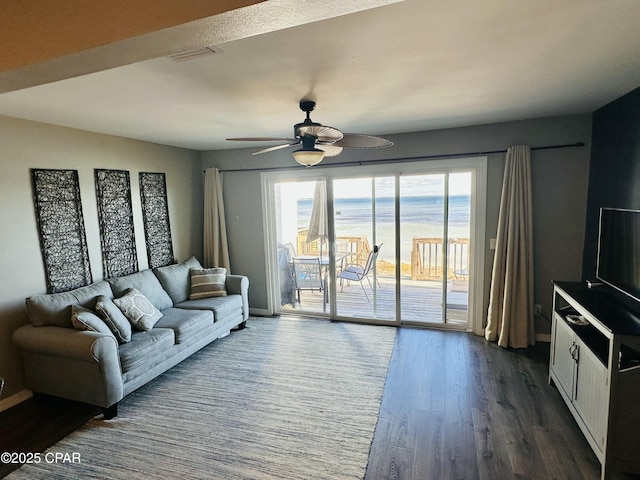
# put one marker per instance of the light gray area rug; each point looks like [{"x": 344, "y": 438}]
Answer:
[{"x": 284, "y": 398}]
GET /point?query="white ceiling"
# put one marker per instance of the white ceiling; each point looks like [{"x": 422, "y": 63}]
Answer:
[{"x": 409, "y": 66}]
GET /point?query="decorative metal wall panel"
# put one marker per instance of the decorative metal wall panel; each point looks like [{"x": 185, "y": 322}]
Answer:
[
  {"x": 56, "y": 196},
  {"x": 155, "y": 215},
  {"x": 117, "y": 237}
]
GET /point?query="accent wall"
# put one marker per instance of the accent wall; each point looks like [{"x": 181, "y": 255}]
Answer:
[{"x": 614, "y": 177}]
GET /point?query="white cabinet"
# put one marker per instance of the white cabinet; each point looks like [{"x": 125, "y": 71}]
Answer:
[
  {"x": 595, "y": 364},
  {"x": 591, "y": 395},
  {"x": 582, "y": 379},
  {"x": 563, "y": 364}
]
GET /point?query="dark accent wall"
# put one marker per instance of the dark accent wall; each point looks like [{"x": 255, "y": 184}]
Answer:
[{"x": 614, "y": 172}]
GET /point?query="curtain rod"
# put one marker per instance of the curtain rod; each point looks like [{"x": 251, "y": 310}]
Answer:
[{"x": 357, "y": 163}]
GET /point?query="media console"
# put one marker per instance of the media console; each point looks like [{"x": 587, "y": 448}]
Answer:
[{"x": 595, "y": 364}]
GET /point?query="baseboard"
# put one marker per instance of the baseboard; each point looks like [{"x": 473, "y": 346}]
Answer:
[
  {"x": 543, "y": 337},
  {"x": 260, "y": 312},
  {"x": 15, "y": 399}
]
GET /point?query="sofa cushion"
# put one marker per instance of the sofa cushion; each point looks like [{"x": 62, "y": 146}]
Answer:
[
  {"x": 175, "y": 279},
  {"x": 55, "y": 308},
  {"x": 208, "y": 282},
  {"x": 144, "y": 346},
  {"x": 114, "y": 318},
  {"x": 220, "y": 306},
  {"x": 185, "y": 323},
  {"x": 86, "y": 320},
  {"x": 138, "y": 309},
  {"x": 146, "y": 283}
]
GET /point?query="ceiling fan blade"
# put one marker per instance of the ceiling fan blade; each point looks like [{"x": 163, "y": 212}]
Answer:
[
  {"x": 358, "y": 140},
  {"x": 262, "y": 139},
  {"x": 276, "y": 147},
  {"x": 330, "y": 150},
  {"x": 322, "y": 132}
]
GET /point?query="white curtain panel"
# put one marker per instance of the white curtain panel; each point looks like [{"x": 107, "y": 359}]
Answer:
[
  {"x": 216, "y": 248},
  {"x": 510, "y": 315}
]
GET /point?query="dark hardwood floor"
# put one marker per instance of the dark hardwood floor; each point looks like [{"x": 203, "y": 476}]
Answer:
[
  {"x": 39, "y": 422},
  {"x": 454, "y": 407},
  {"x": 457, "y": 407}
]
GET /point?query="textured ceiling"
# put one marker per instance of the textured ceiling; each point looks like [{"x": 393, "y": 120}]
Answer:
[{"x": 408, "y": 66}]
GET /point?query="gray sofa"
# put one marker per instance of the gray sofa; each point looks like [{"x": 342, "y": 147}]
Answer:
[{"x": 100, "y": 367}]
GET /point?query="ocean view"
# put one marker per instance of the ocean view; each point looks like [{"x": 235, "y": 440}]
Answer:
[{"x": 420, "y": 216}]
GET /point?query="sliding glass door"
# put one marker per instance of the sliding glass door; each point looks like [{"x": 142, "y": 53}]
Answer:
[
  {"x": 386, "y": 247},
  {"x": 435, "y": 231},
  {"x": 302, "y": 261},
  {"x": 364, "y": 216}
]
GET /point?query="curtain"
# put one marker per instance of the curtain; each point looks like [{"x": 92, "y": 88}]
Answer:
[
  {"x": 510, "y": 315},
  {"x": 216, "y": 249}
]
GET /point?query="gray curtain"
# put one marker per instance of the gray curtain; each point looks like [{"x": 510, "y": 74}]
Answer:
[
  {"x": 510, "y": 315},
  {"x": 216, "y": 248}
]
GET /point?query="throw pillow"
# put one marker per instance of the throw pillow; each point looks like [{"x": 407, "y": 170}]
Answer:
[
  {"x": 138, "y": 309},
  {"x": 208, "y": 282},
  {"x": 114, "y": 318},
  {"x": 84, "y": 319}
]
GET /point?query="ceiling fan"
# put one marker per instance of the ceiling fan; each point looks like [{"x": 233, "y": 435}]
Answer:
[{"x": 317, "y": 140}]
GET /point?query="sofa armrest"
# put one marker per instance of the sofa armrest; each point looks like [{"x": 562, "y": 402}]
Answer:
[
  {"x": 64, "y": 342},
  {"x": 68, "y": 363},
  {"x": 239, "y": 285}
]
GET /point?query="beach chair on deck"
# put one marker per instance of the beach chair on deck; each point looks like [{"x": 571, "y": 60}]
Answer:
[
  {"x": 308, "y": 274},
  {"x": 358, "y": 273}
]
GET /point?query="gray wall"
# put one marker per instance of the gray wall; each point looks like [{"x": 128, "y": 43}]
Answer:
[
  {"x": 25, "y": 145},
  {"x": 560, "y": 179}
]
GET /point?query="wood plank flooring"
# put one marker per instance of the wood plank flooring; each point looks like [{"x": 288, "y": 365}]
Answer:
[
  {"x": 39, "y": 422},
  {"x": 457, "y": 407},
  {"x": 454, "y": 407}
]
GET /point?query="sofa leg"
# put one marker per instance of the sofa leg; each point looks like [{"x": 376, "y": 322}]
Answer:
[
  {"x": 242, "y": 325},
  {"x": 110, "y": 412}
]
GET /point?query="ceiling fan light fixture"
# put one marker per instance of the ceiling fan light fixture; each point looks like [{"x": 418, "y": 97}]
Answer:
[
  {"x": 308, "y": 157},
  {"x": 329, "y": 140}
]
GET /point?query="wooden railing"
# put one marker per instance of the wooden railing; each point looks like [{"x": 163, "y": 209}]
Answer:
[
  {"x": 426, "y": 255},
  {"x": 357, "y": 247},
  {"x": 427, "y": 258}
]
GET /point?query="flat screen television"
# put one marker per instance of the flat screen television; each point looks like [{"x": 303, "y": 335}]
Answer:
[{"x": 618, "y": 263}]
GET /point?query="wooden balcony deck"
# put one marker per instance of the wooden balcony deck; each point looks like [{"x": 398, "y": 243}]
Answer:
[{"x": 421, "y": 302}]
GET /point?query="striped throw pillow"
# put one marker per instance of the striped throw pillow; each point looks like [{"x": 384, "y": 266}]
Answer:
[{"x": 208, "y": 282}]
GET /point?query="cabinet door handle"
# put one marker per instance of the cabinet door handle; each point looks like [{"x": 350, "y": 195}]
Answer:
[{"x": 573, "y": 351}]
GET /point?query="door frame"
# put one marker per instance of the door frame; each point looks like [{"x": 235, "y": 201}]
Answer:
[{"x": 477, "y": 214}]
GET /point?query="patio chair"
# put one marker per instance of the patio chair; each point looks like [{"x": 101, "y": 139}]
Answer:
[
  {"x": 358, "y": 273},
  {"x": 308, "y": 274}
]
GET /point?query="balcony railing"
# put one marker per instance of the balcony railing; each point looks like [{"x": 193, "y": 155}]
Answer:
[
  {"x": 427, "y": 258},
  {"x": 426, "y": 255}
]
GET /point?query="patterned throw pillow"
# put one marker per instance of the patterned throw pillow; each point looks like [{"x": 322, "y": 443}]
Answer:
[
  {"x": 84, "y": 319},
  {"x": 208, "y": 282},
  {"x": 114, "y": 318},
  {"x": 138, "y": 309}
]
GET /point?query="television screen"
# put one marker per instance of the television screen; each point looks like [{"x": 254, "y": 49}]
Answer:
[{"x": 619, "y": 250}]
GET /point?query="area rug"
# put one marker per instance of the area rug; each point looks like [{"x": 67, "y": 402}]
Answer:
[{"x": 284, "y": 398}]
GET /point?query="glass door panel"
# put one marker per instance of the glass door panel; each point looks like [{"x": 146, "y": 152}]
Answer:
[
  {"x": 364, "y": 223},
  {"x": 300, "y": 211},
  {"x": 422, "y": 233},
  {"x": 459, "y": 233}
]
